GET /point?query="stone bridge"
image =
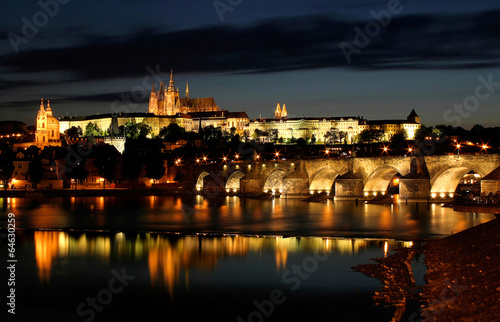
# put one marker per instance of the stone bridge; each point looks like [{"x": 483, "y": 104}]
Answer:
[{"x": 350, "y": 178}]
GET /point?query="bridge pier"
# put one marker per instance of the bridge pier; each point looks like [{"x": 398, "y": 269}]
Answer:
[
  {"x": 349, "y": 186},
  {"x": 414, "y": 189},
  {"x": 295, "y": 183},
  {"x": 251, "y": 184}
]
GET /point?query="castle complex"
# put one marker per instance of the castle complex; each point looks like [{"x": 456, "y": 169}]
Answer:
[{"x": 167, "y": 107}]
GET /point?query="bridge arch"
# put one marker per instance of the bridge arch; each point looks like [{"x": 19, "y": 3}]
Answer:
[
  {"x": 274, "y": 180},
  {"x": 323, "y": 180},
  {"x": 199, "y": 182},
  {"x": 445, "y": 182},
  {"x": 378, "y": 181},
  {"x": 233, "y": 181}
]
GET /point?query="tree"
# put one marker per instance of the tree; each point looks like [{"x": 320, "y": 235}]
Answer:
[
  {"x": 144, "y": 129},
  {"x": 155, "y": 168},
  {"x": 91, "y": 129},
  {"x": 258, "y": 133},
  {"x": 371, "y": 135},
  {"x": 132, "y": 129},
  {"x": 106, "y": 159},
  {"x": 235, "y": 141},
  {"x": 332, "y": 136},
  {"x": 301, "y": 142},
  {"x": 172, "y": 133},
  {"x": 74, "y": 132},
  {"x": 313, "y": 139},
  {"x": 400, "y": 137},
  {"x": 6, "y": 167},
  {"x": 78, "y": 172},
  {"x": 35, "y": 170},
  {"x": 273, "y": 135},
  {"x": 132, "y": 162},
  {"x": 343, "y": 136},
  {"x": 212, "y": 134}
]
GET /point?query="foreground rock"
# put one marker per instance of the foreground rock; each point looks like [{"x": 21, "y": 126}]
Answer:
[
  {"x": 463, "y": 275},
  {"x": 462, "y": 278}
]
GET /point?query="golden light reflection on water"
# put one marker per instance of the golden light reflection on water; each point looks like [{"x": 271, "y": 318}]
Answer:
[
  {"x": 171, "y": 257},
  {"x": 46, "y": 250}
]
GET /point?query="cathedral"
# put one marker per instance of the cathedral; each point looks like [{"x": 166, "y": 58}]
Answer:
[{"x": 167, "y": 101}]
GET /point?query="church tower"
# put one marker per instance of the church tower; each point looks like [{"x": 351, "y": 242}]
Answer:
[
  {"x": 153, "y": 101},
  {"x": 41, "y": 128},
  {"x": 47, "y": 127},
  {"x": 187, "y": 90},
  {"x": 413, "y": 117},
  {"x": 172, "y": 104},
  {"x": 277, "y": 113},
  {"x": 284, "y": 113}
]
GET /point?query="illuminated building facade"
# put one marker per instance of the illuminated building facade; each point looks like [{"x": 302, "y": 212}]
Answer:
[
  {"x": 306, "y": 127},
  {"x": 47, "y": 127},
  {"x": 167, "y": 101}
]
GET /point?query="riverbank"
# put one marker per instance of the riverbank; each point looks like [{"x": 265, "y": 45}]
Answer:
[
  {"x": 463, "y": 275},
  {"x": 91, "y": 192},
  {"x": 462, "y": 281}
]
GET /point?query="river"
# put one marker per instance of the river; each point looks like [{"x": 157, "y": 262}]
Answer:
[{"x": 165, "y": 258}]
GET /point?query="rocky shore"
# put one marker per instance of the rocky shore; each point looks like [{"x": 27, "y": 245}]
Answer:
[
  {"x": 462, "y": 281},
  {"x": 463, "y": 275}
]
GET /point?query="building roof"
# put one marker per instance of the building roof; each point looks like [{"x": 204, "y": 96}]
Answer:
[
  {"x": 208, "y": 114},
  {"x": 198, "y": 102},
  {"x": 329, "y": 118},
  {"x": 413, "y": 114},
  {"x": 381, "y": 122},
  {"x": 493, "y": 175},
  {"x": 241, "y": 115},
  {"x": 121, "y": 115}
]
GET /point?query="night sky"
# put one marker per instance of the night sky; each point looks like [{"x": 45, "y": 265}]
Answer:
[{"x": 92, "y": 57}]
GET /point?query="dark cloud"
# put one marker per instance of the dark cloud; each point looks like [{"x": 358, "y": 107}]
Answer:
[{"x": 408, "y": 42}]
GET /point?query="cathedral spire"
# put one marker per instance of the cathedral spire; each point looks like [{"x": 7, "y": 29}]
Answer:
[
  {"x": 187, "y": 90},
  {"x": 171, "y": 87},
  {"x": 284, "y": 113},
  {"x": 41, "y": 104},
  {"x": 277, "y": 113},
  {"x": 153, "y": 100}
]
